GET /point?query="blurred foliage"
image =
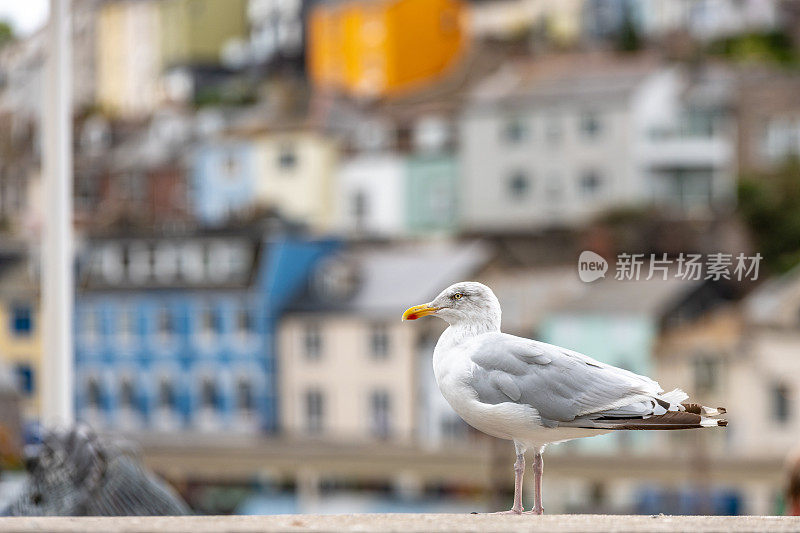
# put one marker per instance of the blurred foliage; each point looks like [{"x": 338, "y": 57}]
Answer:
[
  {"x": 231, "y": 94},
  {"x": 6, "y": 33},
  {"x": 770, "y": 205},
  {"x": 764, "y": 47}
]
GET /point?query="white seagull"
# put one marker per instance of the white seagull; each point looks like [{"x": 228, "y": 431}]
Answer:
[{"x": 535, "y": 393}]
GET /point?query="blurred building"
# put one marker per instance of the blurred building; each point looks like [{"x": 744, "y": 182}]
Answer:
[
  {"x": 560, "y": 22},
  {"x": 134, "y": 173},
  {"x": 740, "y": 357},
  {"x": 349, "y": 369},
  {"x": 768, "y": 119},
  {"x": 703, "y": 20},
  {"x": 555, "y": 142},
  {"x": 195, "y": 31},
  {"x": 770, "y": 414},
  {"x": 129, "y": 58},
  {"x": 367, "y": 49},
  {"x": 223, "y": 179},
  {"x": 20, "y": 330},
  {"x": 289, "y": 171},
  {"x": 176, "y": 332},
  {"x": 278, "y": 32}
]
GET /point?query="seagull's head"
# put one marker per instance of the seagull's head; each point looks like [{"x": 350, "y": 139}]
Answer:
[{"x": 465, "y": 302}]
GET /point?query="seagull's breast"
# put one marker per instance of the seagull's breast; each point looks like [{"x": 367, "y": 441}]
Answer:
[{"x": 453, "y": 367}]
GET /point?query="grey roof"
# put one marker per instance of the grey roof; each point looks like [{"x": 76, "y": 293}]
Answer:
[
  {"x": 775, "y": 302},
  {"x": 390, "y": 278},
  {"x": 585, "y": 75},
  {"x": 240, "y": 273},
  {"x": 642, "y": 297}
]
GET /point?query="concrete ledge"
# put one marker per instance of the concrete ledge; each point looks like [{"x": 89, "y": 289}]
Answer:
[{"x": 403, "y": 523}]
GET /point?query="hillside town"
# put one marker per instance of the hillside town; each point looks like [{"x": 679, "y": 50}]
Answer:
[{"x": 261, "y": 187}]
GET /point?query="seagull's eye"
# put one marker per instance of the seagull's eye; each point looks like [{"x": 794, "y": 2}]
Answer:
[{"x": 457, "y": 296}]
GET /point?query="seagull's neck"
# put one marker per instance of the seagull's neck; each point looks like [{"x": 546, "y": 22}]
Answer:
[{"x": 466, "y": 329}]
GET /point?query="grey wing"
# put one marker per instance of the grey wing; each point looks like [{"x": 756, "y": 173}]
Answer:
[{"x": 560, "y": 384}]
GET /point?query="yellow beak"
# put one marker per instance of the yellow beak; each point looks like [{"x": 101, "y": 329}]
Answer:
[{"x": 413, "y": 313}]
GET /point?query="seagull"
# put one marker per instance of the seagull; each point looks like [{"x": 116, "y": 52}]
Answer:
[{"x": 534, "y": 393}]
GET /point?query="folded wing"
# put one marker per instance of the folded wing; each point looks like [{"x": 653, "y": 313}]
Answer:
[{"x": 569, "y": 389}]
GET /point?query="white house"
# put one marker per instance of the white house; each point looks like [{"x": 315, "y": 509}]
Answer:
[{"x": 554, "y": 142}]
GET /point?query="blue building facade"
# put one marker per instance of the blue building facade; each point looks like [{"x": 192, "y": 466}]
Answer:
[
  {"x": 176, "y": 334},
  {"x": 223, "y": 179}
]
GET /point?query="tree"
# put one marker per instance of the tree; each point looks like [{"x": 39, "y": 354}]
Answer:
[
  {"x": 769, "y": 203},
  {"x": 6, "y": 33}
]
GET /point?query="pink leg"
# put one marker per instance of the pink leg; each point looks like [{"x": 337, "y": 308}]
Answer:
[
  {"x": 538, "y": 470},
  {"x": 519, "y": 471}
]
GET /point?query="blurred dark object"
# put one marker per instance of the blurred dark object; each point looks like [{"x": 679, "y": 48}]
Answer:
[
  {"x": 10, "y": 425},
  {"x": 74, "y": 473},
  {"x": 793, "y": 490}
]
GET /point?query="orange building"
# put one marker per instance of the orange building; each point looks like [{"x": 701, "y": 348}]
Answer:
[{"x": 379, "y": 48}]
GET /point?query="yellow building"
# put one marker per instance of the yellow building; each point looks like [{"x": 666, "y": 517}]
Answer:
[
  {"x": 195, "y": 31},
  {"x": 294, "y": 173},
  {"x": 128, "y": 57},
  {"x": 385, "y": 47},
  {"x": 20, "y": 334}
]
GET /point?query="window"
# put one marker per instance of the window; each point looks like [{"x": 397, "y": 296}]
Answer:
[
  {"x": 127, "y": 394},
  {"x": 244, "y": 395},
  {"x": 90, "y": 324},
  {"x": 379, "y": 341},
  {"x": 687, "y": 189},
  {"x": 380, "y": 414},
  {"x": 166, "y": 394},
  {"x": 781, "y": 409},
  {"x": 94, "y": 396},
  {"x": 518, "y": 185},
  {"x": 315, "y": 411},
  {"x": 140, "y": 266},
  {"x": 126, "y": 323},
  {"x": 244, "y": 321},
  {"x": 590, "y": 183},
  {"x": 209, "y": 398},
  {"x": 22, "y": 320},
  {"x": 210, "y": 321},
  {"x": 165, "y": 267},
  {"x": 706, "y": 371},
  {"x": 287, "y": 158},
  {"x": 515, "y": 130},
  {"x": 359, "y": 206},
  {"x": 166, "y": 324},
  {"x": 313, "y": 341},
  {"x": 24, "y": 375},
  {"x": 590, "y": 124}
]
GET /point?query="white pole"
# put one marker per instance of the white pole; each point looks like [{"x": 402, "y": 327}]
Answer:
[{"x": 57, "y": 252}]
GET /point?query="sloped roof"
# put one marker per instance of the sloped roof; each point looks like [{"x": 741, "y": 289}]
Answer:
[
  {"x": 567, "y": 75},
  {"x": 390, "y": 278},
  {"x": 643, "y": 297},
  {"x": 776, "y": 302}
]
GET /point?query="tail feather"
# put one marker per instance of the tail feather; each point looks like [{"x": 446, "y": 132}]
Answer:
[{"x": 667, "y": 421}]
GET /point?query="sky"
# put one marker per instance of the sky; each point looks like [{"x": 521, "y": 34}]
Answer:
[{"x": 25, "y": 15}]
